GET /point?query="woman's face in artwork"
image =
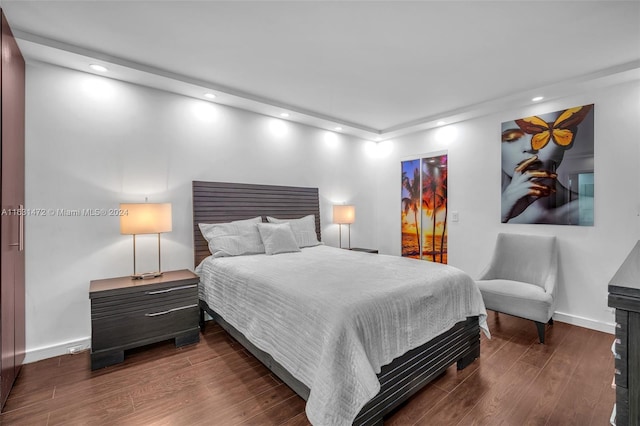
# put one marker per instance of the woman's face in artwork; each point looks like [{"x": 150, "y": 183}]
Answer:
[{"x": 516, "y": 148}]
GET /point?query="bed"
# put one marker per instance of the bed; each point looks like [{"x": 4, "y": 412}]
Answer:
[{"x": 334, "y": 395}]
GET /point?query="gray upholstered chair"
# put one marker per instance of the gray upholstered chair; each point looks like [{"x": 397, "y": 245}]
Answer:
[{"x": 521, "y": 279}]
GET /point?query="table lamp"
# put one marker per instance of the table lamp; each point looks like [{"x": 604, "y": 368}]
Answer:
[
  {"x": 145, "y": 218},
  {"x": 344, "y": 215}
]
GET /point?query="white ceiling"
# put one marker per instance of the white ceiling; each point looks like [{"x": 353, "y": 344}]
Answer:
[{"x": 377, "y": 68}]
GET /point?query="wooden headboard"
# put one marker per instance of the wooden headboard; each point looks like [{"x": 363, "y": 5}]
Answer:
[{"x": 218, "y": 202}]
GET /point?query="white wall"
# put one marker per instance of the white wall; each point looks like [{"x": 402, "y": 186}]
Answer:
[
  {"x": 589, "y": 255},
  {"x": 93, "y": 142}
]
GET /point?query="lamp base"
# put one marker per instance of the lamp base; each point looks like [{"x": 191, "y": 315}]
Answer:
[{"x": 146, "y": 276}]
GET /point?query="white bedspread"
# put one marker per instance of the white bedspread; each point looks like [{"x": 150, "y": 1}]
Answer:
[{"x": 334, "y": 317}]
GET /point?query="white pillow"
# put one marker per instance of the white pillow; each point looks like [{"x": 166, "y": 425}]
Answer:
[
  {"x": 277, "y": 238},
  {"x": 304, "y": 229},
  {"x": 235, "y": 238}
]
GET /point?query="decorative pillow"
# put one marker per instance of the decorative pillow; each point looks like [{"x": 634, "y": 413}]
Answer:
[
  {"x": 206, "y": 227},
  {"x": 304, "y": 229},
  {"x": 235, "y": 238},
  {"x": 277, "y": 238}
]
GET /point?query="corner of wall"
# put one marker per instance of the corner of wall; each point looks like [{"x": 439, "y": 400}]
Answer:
[{"x": 66, "y": 348}]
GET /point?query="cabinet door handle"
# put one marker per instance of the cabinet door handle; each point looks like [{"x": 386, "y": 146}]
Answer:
[
  {"x": 20, "y": 243},
  {"x": 155, "y": 314},
  {"x": 167, "y": 290},
  {"x": 21, "y": 230}
]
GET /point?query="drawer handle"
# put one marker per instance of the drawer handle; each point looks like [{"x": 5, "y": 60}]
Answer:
[
  {"x": 618, "y": 372},
  {"x": 155, "y": 314},
  {"x": 618, "y": 341},
  {"x": 618, "y": 325},
  {"x": 167, "y": 290}
]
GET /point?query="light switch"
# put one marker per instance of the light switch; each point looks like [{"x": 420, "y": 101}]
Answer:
[{"x": 455, "y": 216}]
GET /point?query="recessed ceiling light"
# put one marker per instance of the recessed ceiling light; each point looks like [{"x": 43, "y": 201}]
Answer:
[
  {"x": 284, "y": 114},
  {"x": 99, "y": 68},
  {"x": 337, "y": 129},
  {"x": 537, "y": 98},
  {"x": 209, "y": 95}
]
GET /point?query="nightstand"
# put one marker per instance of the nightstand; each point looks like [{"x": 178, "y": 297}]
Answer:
[
  {"x": 127, "y": 313},
  {"x": 366, "y": 250}
]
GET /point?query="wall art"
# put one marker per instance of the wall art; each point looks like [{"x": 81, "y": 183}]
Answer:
[
  {"x": 547, "y": 168},
  {"x": 424, "y": 207}
]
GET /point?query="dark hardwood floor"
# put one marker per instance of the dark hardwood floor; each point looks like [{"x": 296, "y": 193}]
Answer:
[{"x": 516, "y": 381}]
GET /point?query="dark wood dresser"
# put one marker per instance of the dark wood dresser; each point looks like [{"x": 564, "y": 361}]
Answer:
[
  {"x": 127, "y": 313},
  {"x": 624, "y": 295}
]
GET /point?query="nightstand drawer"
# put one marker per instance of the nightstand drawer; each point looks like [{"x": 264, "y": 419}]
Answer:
[
  {"x": 121, "y": 331},
  {"x": 156, "y": 298},
  {"x": 365, "y": 250}
]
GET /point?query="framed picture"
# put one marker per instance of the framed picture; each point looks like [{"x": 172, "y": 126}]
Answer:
[
  {"x": 424, "y": 207},
  {"x": 547, "y": 168}
]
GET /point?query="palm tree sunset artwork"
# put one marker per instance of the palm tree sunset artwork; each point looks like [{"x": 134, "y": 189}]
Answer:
[
  {"x": 434, "y": 202},
  {"x": 411, "y": 209},
  {"x": 424, "y": 208}
]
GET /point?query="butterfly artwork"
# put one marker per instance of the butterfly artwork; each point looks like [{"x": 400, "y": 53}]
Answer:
[
  {"x": 547, "y": 165},
  {"x": 562, "y": 132}
]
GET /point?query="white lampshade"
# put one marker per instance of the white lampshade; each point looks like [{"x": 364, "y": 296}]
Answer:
[
  {"x": 344, "y": 214},
  {"x": 145, "y": 218}
]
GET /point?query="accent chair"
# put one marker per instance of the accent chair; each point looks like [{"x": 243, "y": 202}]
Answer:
[{"x": 521, "y": 279}]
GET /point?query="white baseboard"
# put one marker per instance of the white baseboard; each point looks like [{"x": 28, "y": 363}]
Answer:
[
  {"x": 44, "y": 352},
  {"x": 585, "y": 322}
]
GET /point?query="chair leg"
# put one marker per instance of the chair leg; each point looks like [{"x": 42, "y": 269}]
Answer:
[
  {"x": 540, "y": 327},
  {"x": 550, "y": 321}
]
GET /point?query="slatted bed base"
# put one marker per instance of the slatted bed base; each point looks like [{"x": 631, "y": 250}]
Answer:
[{"x": 400, "y": 379}]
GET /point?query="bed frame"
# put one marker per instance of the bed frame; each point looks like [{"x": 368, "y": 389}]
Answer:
[{"x": 216, "y": 202}]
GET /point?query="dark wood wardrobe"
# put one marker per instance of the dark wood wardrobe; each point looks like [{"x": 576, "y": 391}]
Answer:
[{"x": 12, "y": 290}]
